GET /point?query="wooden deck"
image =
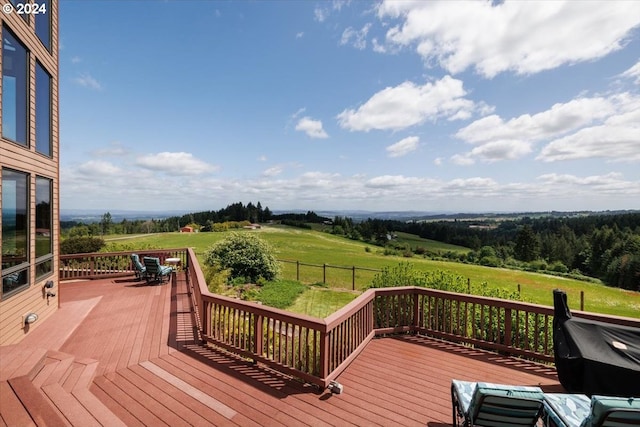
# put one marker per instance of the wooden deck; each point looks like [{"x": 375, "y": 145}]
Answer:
[{"x": 119, "y": 352}]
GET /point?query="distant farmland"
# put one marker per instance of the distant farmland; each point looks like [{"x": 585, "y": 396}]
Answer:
[{"x": 318, "y": 248}]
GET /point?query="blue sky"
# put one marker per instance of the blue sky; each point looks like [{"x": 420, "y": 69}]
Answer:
[{"x": 418, "y": 105}]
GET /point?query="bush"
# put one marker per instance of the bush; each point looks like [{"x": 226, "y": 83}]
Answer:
[
  {"x": 244, "y": 255},
  {"x": 81, "y": 245},
  {"x": 558, "y": 267},
  {"x": 216, "y": 279}
]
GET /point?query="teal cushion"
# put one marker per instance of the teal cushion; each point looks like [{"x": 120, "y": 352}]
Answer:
[
  {"x": 622, "y": 408},
  {"x": 498, "y": 403},
  {"x": 566, "y": 410}
]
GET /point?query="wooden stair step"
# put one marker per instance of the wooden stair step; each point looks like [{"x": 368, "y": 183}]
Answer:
[
  {"x": 38, "y": 406},
  {"x": 69, "y": 406},
  {"x": 54, "y": 366},
  {"x": 64, "y": 362},
  {"x": 25, "y": 362},
  {"x": 98, "y": 409},
  {"x": 12, "y": 412}
]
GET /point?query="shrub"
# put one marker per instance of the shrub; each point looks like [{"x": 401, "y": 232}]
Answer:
[
  {"x": 81, "y": 245},
  {"x": 244, "y": 255},
  {"x": 216, "y": 279},
  {"x": 558, "y": 267}
]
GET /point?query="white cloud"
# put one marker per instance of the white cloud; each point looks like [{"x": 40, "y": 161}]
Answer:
[
  {"x": 408, "y": 104},
  {"x": 633, "y": 72},
  {"x": 273, "y": 171},
  {"x": 357, "y": 38},
  {"x": 262, "y": 158},
  {"x": 561, "y": 118},
  {"x": 300, "y": 34},
  {"x": 523, "y": 37},
  {"x": 617, "y": 138},
  {"x": 312, "y": 128},
  {"x": 106, "y": 184},
  {"x": 462, "y": 159},
  {"x": 76, "y": 60},
  {"x": 175, "y": 164},
  {"x": 386, "y": 181},
  {"x": 437, "y": 161},
  {"x": 320, "y": 14},
  {"x": 85, "y": 80},
  {"x": 403, "y": 147},
  {"x": 99, "y": 168},
  {"x": 581, "y": 128}
]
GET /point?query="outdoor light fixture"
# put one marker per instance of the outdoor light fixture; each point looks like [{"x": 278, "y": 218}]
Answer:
[
  {"x": 335, "y": 387},
  {"x": 30, "y": 318},
  {"x": 49, "y": 284}
]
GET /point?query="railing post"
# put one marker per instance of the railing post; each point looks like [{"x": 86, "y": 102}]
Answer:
[
  {"x": 324, "y": 355},
  {"x": 507, "y": 327},
  {"x": 353, "y": 278},
  {"x": 581, "y": 300},
  {"x": 324, "y": 273},
  {"x": 258, "y": 322},
  {"x": 416, "y": 311},
  {"x": 298, "y": 271}
]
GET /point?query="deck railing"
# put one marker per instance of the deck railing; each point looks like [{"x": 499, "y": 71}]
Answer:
[
  {"x": 318, "y": 350},
  {"x": 100, "y": 265}
]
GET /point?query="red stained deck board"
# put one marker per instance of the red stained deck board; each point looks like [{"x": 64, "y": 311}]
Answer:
[
  {"x": 42, "y": 413},
  {"x": 141, "y": 414},
  {"x": 69, "y": 406},
  {"x": 395, "y": 381},
  {"x": 231, "y": 373},
  {"x": 160, "y": 391},
  {"x": 12, "y": 411}
]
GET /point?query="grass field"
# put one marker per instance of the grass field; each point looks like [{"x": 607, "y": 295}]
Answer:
[{"x": 312, "y": 247}]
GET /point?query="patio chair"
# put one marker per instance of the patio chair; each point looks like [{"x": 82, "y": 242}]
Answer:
[
  {"x": 140, "y": 270},
  {"x": 155, "y": 271},
  {"x": 495, "y": 405},
  {"x": 578, "y": 410}
]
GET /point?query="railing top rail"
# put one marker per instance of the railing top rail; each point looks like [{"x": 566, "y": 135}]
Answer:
[{"x": 119, "y": 253}]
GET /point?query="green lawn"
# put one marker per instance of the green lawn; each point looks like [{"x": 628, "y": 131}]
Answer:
[
  {"x": 313, "y": 247},
  {"x": 319, "y": 302}
]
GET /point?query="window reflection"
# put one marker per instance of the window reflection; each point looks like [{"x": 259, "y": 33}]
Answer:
[{"x": 14, "y": 88}]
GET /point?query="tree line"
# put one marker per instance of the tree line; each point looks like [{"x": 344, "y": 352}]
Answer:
[{"x": 603, "y": 246}]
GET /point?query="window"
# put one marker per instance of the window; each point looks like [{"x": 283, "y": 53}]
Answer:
[
  {"x": 15, "y": 231},
  {"x": 43, "y": 111},
  {"x": 15, "y": 83},
  {"x": 25, "y": 16},
  {"x": 43, "y": 24},
  {"x": 44, "y": 240}
]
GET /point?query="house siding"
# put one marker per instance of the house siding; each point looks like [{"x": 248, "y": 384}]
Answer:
[{"x": 28, "y": 160}]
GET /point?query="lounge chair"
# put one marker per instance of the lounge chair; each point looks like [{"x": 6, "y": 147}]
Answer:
[
  {"x": 578, "y": 410},
  {"x": 140, "y": 270},
  {"x": 495, "y": 405},
  {"x": 155, "y": 271}
]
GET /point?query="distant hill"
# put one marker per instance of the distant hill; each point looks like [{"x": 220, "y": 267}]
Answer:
[{"x": 117, "y": 215}]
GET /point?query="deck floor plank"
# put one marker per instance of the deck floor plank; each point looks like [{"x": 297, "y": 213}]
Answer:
[
  {"x": 12, "y": 411},
  {"x": 151, "y": 370}
]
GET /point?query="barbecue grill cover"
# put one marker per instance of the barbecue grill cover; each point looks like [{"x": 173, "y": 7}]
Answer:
[{"x": 594, "y": 357}]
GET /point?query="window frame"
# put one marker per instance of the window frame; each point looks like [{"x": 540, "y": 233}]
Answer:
[
  {"x": 38, "y": 19},
  {"x": 49, "y": 112},
  {"x": 48, "y": 257},
  {"x": 27, "y": 91},
  {"x": 25, "y": 266}
]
